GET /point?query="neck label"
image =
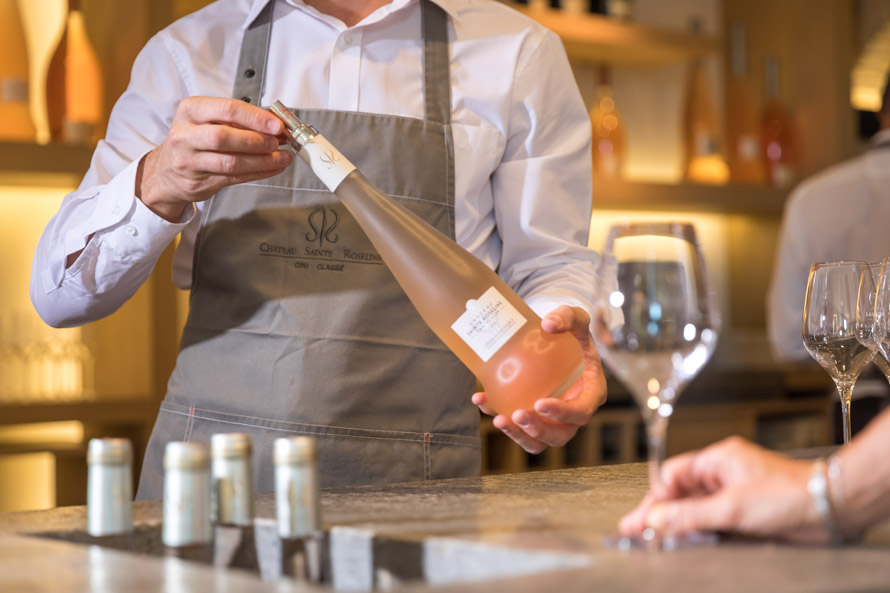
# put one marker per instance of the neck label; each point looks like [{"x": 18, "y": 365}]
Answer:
[{"x": 326, "y": 162}]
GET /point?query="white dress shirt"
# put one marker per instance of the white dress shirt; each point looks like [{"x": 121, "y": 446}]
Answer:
[
  {"x": 842, "y": 213},
  {"x": 521, "y": 143}
]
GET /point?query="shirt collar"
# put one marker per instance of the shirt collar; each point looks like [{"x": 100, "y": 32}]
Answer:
[{"x": 449, "y": 6}]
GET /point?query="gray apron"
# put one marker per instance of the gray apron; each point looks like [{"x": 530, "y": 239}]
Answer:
[{"x": 296, "y": 326}]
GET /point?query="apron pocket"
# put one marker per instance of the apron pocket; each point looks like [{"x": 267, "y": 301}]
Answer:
[{"x": 347, "y": 456}]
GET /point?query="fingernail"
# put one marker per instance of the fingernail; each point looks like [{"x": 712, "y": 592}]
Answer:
[
  {"x": 285, "y": 158},
  {"x": 521, "y": 420},
  {"x": 274, "y": 126}
]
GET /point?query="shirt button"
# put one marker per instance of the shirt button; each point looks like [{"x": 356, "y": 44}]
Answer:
[
  {"x": 347, "y": 39},
  {"x": 131, "y": 230}
]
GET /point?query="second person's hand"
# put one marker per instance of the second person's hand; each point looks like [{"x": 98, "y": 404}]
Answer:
[{"x": 212, "y": 143}]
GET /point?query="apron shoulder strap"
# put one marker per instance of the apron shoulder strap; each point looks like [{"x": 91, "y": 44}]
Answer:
[
  {"x": 436, "y": 70},
  {"x": 251, "y": 72}
]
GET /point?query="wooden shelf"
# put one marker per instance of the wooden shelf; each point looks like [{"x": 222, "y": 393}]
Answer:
[
  {"x": 109, "y": 411},
  {"x": 594, "y": 38},
  {"x": 50, "y": 158},
  {"x": 688, "y": 197}
]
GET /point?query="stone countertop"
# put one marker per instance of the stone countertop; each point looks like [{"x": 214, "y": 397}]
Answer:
[{"x": 531, "y": 532}]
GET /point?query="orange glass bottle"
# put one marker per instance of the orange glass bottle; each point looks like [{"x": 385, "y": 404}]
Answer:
[
  {"x": 742, "y": 122},
  {"x": 487, "y": 325},
  {"x": 777, "y": 132},
  {"x": 15, "y": 110},
  {"x": 704, "y": 159},
  {"x": 74, "y": 86},
  {"x": 608, "y": 130}
]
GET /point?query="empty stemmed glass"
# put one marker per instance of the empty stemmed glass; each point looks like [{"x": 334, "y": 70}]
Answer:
[
  {"x": 830, "y": 330},
  {"x": 657, "y": 324},
  {"x": 878, "y": 339}
]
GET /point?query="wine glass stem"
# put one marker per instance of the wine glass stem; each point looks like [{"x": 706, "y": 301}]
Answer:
[
  {"x": 656, "y": 432},
  {"x": 845, "y": 390}
]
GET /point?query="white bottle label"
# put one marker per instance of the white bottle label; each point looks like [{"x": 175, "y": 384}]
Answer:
[
  {"x": 326, "y": 162},
  {"x": 488, "y": 323}
]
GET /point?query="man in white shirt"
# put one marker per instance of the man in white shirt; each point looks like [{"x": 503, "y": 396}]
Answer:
[
  {"x": 839, "y": 214},
  {"x": 499, "y": 159}
]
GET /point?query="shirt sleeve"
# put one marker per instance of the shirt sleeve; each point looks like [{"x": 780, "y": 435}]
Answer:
[
  {"x": 118, "y": 237},
  {"x": 785, "y": 299},
  {"x": 543, "y": 186}
]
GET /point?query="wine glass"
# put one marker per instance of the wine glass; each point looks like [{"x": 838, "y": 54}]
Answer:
[
  {"x": 868, "y": 309},
  {"x": 879, "y": 338},
  {"x": 830, "y": 331},
  {"x": 657, "y": 324}
]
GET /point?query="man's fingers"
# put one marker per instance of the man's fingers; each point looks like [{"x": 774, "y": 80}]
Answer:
[
  {"x": 709, "y": 513},
  {"x": 634, "y": 522},
  {"x": 222, "y": 138},
  {"x": 231, "y": 165},
  {"x": 575, "y": 411},
  {"x": 524, "y": 440},
  {"x": 216, "y": 110},
  {"x": 543, "y": 431},
  {"x": 481, "y": 401}
]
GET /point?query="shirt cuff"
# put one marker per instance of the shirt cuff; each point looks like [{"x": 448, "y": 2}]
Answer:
[{"x": 131, "y": 229}]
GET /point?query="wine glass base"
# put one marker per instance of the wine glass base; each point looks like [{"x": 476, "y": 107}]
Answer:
[{"x": 648, "y": 540}]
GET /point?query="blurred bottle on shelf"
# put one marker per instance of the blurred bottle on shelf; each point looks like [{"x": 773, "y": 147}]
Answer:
[
  {"x": 622, "y": 10},
  {"x": 608, "y": 129},
  {"x": 777, "y": 131},
  {"x": 704, "y": 160},
  {"x": 44, "y": 23},
  {"x": 74, "y": 86},
  {"x": 742, "y": 124},
  {"x": 15, "y": 110}
]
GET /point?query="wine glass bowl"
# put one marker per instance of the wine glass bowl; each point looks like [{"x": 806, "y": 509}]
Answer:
[
  {"x": 877, "y": 319},
  {"x": 832, "y": 333},
  {"x": 657, "y": 322}
]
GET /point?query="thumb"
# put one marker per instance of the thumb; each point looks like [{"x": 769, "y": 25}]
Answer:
[{"x": 709, "y": 513}]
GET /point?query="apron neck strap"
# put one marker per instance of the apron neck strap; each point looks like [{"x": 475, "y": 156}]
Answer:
[
  {"x": 436, "y": 71},
  {"x": 251, "y": 74}
]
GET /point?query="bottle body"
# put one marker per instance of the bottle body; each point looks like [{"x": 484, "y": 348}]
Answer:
[
  {"x": 15, "y": 108},
  {"x": 704, "y": 159},
  {"x": 187, "y": 530},
  {"x": 232, "y": 500},
  {"x": 298, "y": 509},
  {"x": 109, "y": 487},
  {"x": 501, "y": 342},
  {"x": 74, "y": 87},
  {"x": 743, "y": 124},
  {"x": 777, "y": 132},
  {"x": 487, "y": 325},
  {"x": 232, "y": 477}
]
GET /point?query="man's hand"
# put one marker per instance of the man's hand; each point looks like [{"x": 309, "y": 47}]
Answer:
[
  {"x": 555, "y": 421},
  {"x": 213, "y": 143},
  {"x": 734, "y": 486}
]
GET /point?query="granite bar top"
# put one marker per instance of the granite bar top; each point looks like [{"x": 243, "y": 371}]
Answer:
[{"x": 530, "y": 532}]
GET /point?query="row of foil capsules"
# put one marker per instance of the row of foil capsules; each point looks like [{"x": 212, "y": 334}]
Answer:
[{"x": 208, "y": 506}]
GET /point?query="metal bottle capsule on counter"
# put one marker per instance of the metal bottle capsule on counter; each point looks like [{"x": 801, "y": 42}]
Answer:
[
  {"x": 187, "y": 519},
  {"x": 232, "y": 479},
  {"x": 109, "y": 487},
  {"x": 297, "y": 504}
]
